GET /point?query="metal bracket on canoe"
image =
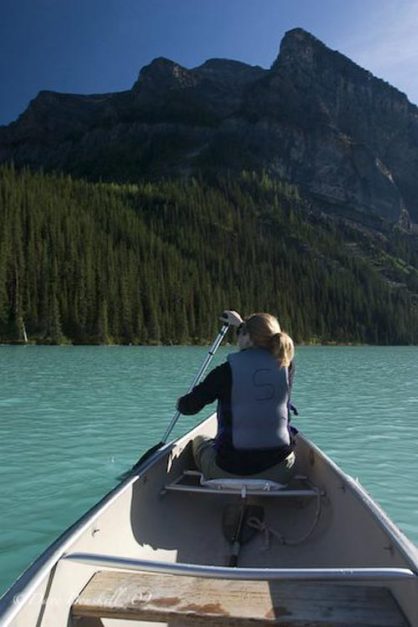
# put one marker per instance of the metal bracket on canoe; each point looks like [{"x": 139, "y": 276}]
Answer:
[{"x": 193, "y": 481}]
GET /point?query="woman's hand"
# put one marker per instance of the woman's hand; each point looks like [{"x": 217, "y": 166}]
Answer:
[{"x": 232, "y": 318}]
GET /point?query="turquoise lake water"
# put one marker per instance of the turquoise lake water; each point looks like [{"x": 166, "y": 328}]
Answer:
[{"x": 73, "y": 418}]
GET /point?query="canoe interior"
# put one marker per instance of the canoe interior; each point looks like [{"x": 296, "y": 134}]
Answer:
[{"x": 143, "y": 522}]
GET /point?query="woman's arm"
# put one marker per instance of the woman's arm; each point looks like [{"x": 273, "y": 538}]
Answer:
[{"x": 205, "y": 392}]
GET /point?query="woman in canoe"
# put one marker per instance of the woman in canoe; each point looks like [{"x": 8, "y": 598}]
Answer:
[{"x": 253, "y": 392}]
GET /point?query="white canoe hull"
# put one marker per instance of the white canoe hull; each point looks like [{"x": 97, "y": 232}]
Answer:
[{"x": 137, "y": 527}]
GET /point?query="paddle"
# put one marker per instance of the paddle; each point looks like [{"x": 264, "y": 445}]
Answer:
[
  {"x": 236, "y": 529},
  {"x": 198, "y": 376}
]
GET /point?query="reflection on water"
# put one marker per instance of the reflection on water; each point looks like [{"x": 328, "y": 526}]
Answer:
[{"x": 73, "y": 418}]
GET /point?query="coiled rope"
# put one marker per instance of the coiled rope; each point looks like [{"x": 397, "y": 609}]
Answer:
[{"x": 270, "y": 532}]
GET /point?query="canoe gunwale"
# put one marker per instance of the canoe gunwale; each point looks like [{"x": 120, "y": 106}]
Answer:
[{"x": 253, "y": 574}]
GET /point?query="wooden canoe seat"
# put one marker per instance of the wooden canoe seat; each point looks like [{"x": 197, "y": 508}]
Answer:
[
  {"x": 193, "y": 481},
  {"x": 193, "y": 601}
]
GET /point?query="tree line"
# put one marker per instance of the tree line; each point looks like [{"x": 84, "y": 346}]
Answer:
[{"x": 156, "y": 262}]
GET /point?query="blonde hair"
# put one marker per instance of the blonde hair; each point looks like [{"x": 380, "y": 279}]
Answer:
[{"x": 265, "y": 332}]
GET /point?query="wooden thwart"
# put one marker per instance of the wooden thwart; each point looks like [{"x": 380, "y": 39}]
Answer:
[{"x": 201, "y": 601}]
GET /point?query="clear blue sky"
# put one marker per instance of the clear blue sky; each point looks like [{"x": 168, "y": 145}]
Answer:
[{"x": 94, "y": 46}]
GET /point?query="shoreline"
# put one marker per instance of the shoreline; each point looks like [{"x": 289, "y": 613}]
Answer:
[{"x": 201, "y": 343}]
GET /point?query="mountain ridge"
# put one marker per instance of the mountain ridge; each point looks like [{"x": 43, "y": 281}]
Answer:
[{"x": 349, "y": 140}]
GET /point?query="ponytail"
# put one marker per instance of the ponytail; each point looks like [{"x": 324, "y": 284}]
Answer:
[{"x": 282, "y": 348}]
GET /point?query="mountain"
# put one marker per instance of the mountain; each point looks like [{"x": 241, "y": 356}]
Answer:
[
  {"x": 137, "y": 216},
  {"x": 315, "y": 119}
]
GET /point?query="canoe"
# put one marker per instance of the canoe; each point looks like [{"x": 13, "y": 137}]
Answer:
[{"x": 157, "y": 549}]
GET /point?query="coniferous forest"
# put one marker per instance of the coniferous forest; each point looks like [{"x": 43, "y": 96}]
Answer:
[{"x": 157, "y": 262}]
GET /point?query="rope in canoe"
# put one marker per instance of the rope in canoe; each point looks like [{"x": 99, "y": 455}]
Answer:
[{"x": 270, "y": 533}]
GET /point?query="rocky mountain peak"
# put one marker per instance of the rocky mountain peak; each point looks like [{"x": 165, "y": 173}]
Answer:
[
  {"x": 163, "y": 74},
  {"x": 223, "y": 65},
  {"x": 301, "y": 54},
  {"x": 301, "y": 48},
  {"x": 304, "y": 57},
  {"x": 228, "y": 70}
]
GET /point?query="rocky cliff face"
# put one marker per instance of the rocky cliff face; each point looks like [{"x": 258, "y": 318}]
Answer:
[{"x": 348, "y": 139}]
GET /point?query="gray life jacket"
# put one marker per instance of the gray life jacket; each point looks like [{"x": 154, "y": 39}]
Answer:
[{"x": 259, "y": 400}]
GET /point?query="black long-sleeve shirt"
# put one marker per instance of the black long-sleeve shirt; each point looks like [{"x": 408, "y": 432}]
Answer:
[{"x": 217, "y": 386}]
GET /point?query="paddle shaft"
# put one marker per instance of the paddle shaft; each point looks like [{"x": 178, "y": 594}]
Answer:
[
  {"x": 199, "y": 375},
  {"x": 202, "y": 369},
  {"x": 236, "y": 540}
]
